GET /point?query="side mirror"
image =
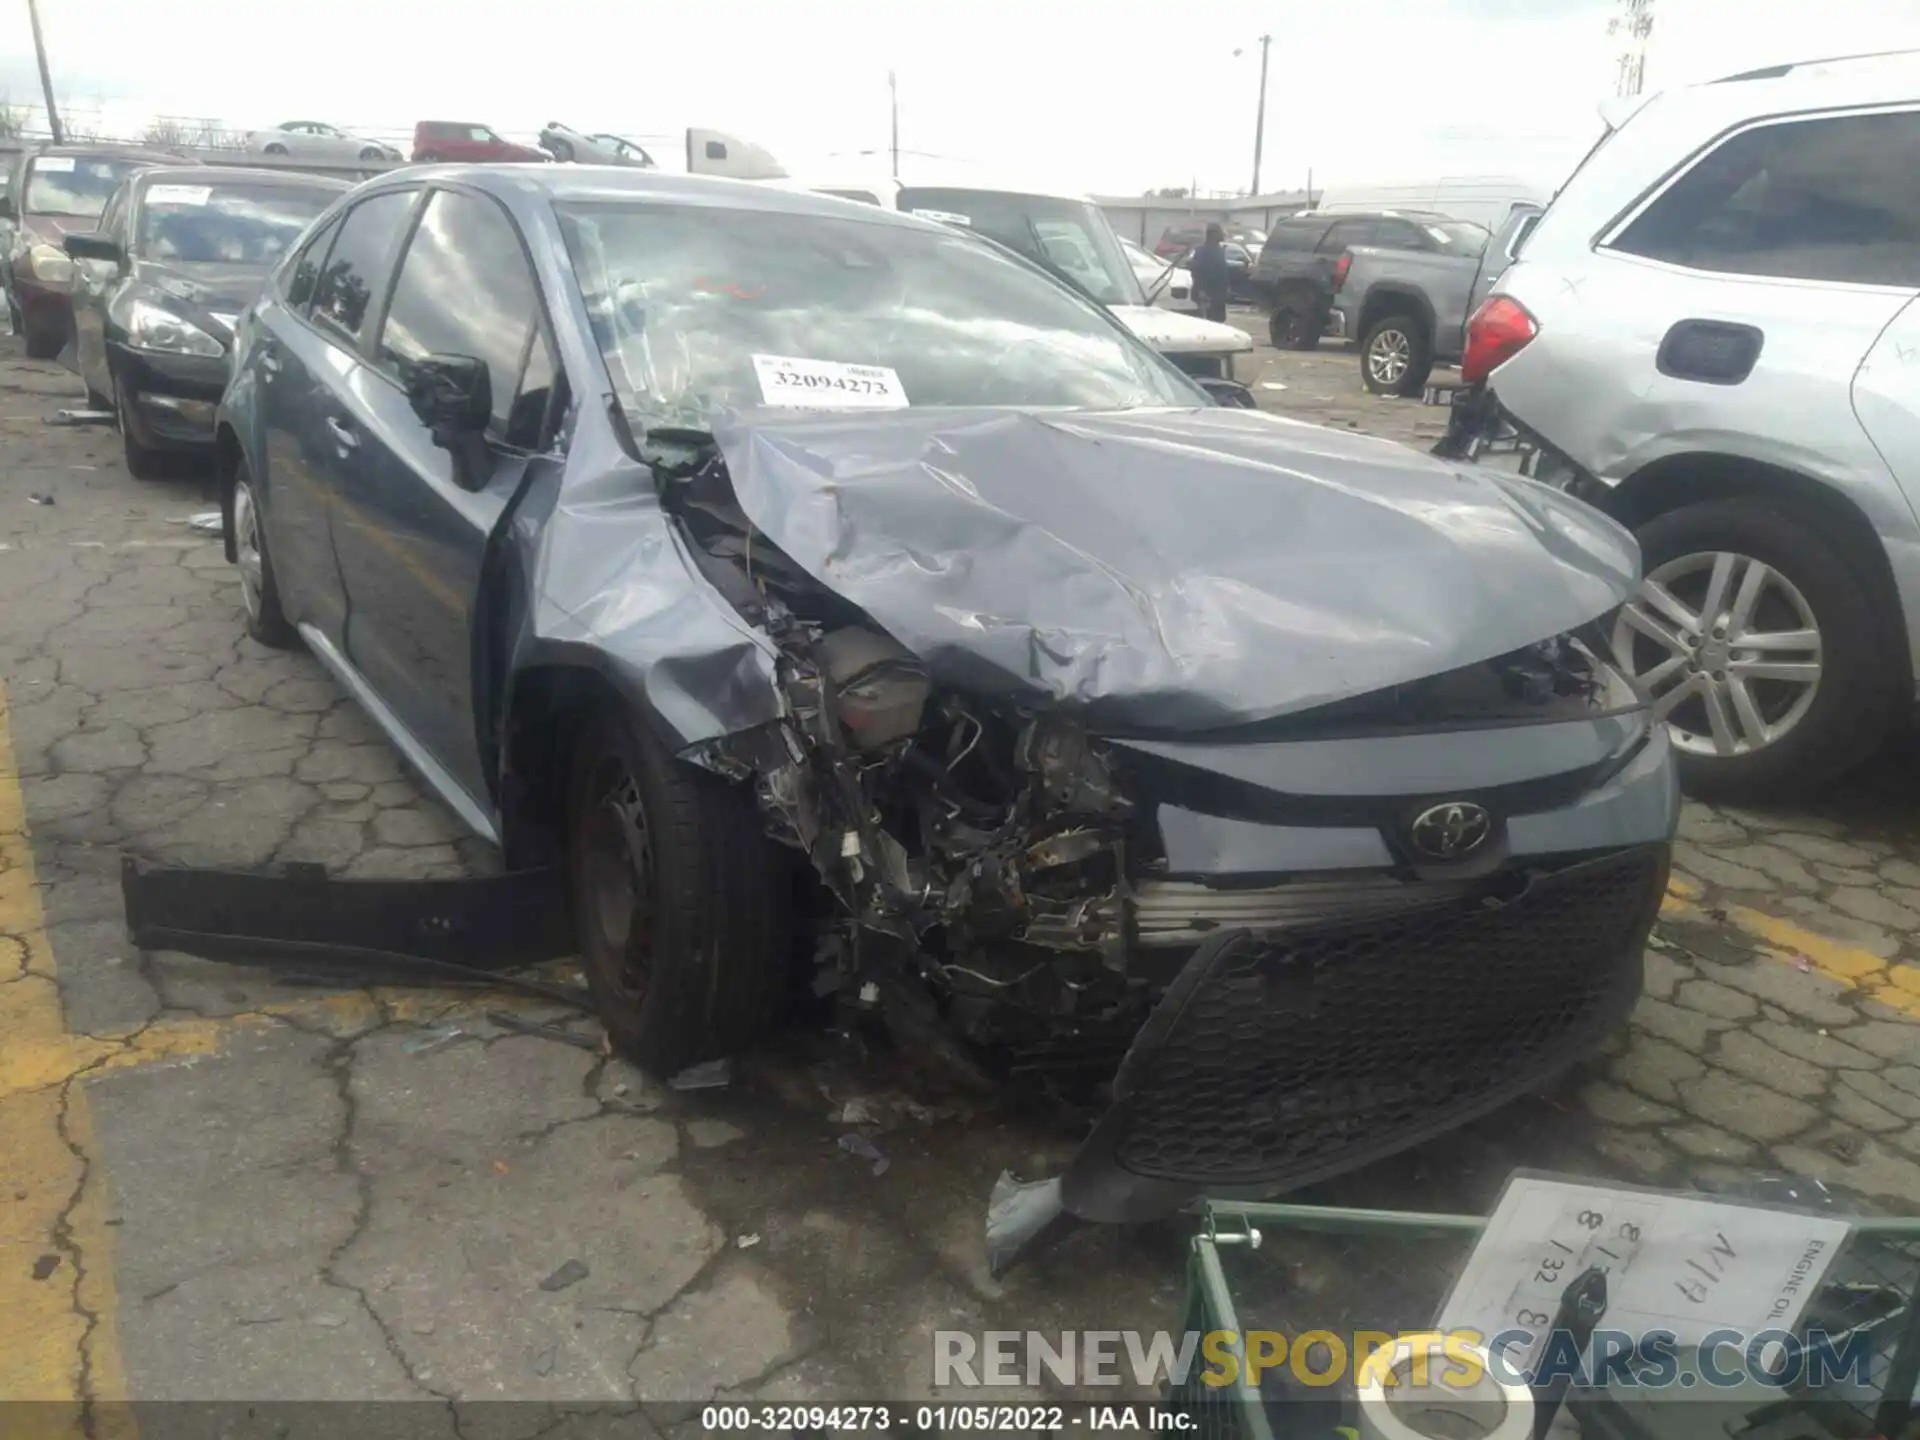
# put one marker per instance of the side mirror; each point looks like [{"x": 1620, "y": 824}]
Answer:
[
  {"x": 453, "y": 396},
  {"x": 92, "y": 245},
  {"x": 1230, "y": 393},
  {"x": 7, "y": 211}
]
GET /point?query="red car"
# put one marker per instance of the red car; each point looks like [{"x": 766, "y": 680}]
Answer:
[
  {"x": 53, "y": 190},
  {"x": 456, "y": 140}
]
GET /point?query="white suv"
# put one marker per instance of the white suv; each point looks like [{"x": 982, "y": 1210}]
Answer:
[{"x": 1712, "y": 335}]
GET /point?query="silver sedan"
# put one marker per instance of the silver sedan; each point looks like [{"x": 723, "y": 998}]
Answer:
[
  {"x": 316, "y": 140},
  {"x": 565, "y": 143}
]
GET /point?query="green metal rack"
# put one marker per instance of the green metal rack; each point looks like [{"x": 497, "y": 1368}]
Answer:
[{"x": 1237, "y": 1280}]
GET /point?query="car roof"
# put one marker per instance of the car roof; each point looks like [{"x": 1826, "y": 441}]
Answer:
[
  {"x": 219, "y": 174},
  {"x": 603, "y": 183},
  {"x": 109, "y": 151}
]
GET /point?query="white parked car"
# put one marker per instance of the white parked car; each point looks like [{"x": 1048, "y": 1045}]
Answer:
[
  {"x": 1710, "y": 335},
  {"x": 316, "y": 140},
  {"x": 565, "y": 144}
]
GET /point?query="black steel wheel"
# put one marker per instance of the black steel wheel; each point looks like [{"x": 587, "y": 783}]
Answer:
[{"x": 679, "y": 899}]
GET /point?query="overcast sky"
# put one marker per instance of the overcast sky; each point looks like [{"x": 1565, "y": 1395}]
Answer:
[{"x": 1112, "y": 96}]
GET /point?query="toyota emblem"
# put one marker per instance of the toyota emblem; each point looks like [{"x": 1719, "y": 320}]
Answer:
[{"x": 1451, "y": 831}]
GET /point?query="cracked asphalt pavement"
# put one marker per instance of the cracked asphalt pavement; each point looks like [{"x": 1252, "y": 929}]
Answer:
[{"x": 217, "y": 1186}]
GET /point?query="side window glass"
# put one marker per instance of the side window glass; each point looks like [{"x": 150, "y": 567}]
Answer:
[
  {"x": 1399, "y": 235},
  {"x": 479, "y": 132},
  {"x": 1827, "y": 200},
  {"x": 465, "y": 288},
  {"x": 1345, "y": 233},
  {"x": 357, "y": 266},
  {"x": 111, "y": 217},
  {"x": 527, "y": 419},
  {"x": 306, "y": 269}
]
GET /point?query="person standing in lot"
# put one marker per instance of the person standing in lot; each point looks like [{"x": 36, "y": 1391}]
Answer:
[{"x": 1209, "y": 270}]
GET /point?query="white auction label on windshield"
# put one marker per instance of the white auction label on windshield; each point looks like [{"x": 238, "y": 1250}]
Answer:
[
  {"x": 54, "y": 164},
  {"x": 827, "y": 384},
  {"x": 178, "y": 194}
]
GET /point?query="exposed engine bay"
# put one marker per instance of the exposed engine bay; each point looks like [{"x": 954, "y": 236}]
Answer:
[{"x": 998, "y": 858}]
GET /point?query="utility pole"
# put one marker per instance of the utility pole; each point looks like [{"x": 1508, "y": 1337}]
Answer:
[
  {"x": 1635, "y": 22},
  {"x": 1260, "y": 117},
  {"x": 893, "y": 97},
  {"x": 46, "y": 75}
]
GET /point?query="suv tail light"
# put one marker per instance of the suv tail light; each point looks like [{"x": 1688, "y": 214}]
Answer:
[
  {"x": 1499, "y": 330},
  {"x": 1340, "y": 269}
]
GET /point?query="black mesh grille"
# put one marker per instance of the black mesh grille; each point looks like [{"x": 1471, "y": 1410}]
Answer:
[{"x": 1274, "y": 1056}]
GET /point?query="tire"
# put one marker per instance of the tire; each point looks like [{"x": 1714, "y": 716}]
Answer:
[
  {"x": 275, "y": 150},
  {"x": 431, "y": 157},
  {"x": 1403, "y": 336},
  {"x": 143, "y": 463},
  {"x": 371, "y": 152},
  {"x": 44, "y": 344},
  {"x": 709, "y": 909},
  {"x": 1854, "y": 704},
  {"x": 266, "y": 620},
  {"x": 97, "y": 401},
  {"x": 1293, "y": 324}
]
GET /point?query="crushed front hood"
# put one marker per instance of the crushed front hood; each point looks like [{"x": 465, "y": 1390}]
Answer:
[{"x": 1165, "y": 571}]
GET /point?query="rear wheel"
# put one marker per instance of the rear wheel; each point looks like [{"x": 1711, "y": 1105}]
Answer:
[
  {"x": 44, "y": 344},
  {"x": 259, "y": 591},
  {"x": 1758, "y": 639},
  {"x": 679, "y": 899},
  {"x": 1294, "y": 324},
  {"x": 1396, "y": 356}
]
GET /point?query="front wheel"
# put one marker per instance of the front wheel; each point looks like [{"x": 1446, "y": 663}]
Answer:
[
  {"x": 431, "y": 157},
  {"x": 1395, "y": 356},
  {"x": 259, "y": 590},
  {"x": 679, "y": 899},
  {"x": 43, "y": 344},
  {"x": 276, "y": 150},
  {"x": 372, "y": 152},
  {"x": 143, "y": 462},
  {"x": 1759, "y": 641}
]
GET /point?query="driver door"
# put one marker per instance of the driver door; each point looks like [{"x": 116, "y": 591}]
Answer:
[{"x": 412, "y": 538}]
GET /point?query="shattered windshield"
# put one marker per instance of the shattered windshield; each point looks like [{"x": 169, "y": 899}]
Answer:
[{"x": 699, "y": 309}]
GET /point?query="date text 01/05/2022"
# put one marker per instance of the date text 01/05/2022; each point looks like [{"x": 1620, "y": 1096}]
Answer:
[{"x": 1038, "y": 1419}]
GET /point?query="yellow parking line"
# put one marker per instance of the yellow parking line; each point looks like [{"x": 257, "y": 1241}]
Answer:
[
  {"x": 1891, "y": 982},
  {"x": 59, "y": 1325}
]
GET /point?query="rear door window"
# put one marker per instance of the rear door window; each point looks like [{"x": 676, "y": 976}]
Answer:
[
  {"x": 1296, "y": 236},
  {"x": 1343, "y": 234},
  {"x": 1832, "y": 199},
  {"x": 1397, "y": 234},
  {"x": 307, "y": 265},
  {"x": 360, "y": 261}
]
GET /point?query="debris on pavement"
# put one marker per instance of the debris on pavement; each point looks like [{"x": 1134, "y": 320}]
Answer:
[
  {"x": 45, "y": 1266},
  {"x": 571, "y": 1273},
  {"x": 204, "y": 522},
  {"x": 862, "y": 1148},
  {"x": 857, "y": 1112},
  {"x": 544, "y": 1030},
  {"x": 708, "y": 1075},
  {"x": 543, "y": 1362},
  {"x": 747, "y": 1242},
  {"x": 81, "y": 417},
  {"x": 433, "y": 1040},
  {"x": 39, "y": 499}
]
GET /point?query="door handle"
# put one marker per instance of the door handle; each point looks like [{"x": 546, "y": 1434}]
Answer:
[{"x": 342, "y": 433}]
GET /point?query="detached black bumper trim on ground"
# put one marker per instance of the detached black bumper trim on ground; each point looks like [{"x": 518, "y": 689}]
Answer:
[{"x": 481, "y": 924}]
